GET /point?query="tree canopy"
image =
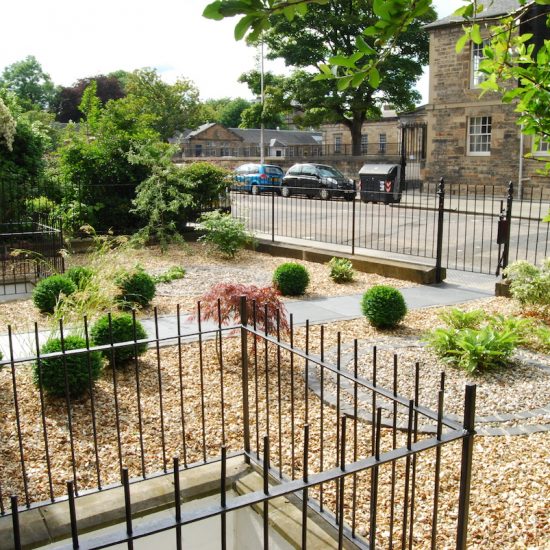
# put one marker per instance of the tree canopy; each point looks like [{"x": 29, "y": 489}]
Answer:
[
  {"x": 328, "y": 32},
  {"x": 28, "y": 81},
  {"x": 516, "y": 53}
]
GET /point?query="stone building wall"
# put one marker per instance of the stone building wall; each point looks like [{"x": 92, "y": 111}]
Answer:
[{"x": 452, "y": 103}]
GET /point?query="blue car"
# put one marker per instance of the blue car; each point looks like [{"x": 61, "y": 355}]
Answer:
[{"x": 255, "y": 178}]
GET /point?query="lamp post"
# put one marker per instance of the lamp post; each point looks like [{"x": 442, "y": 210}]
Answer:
[{"x": 262, "y": 98}]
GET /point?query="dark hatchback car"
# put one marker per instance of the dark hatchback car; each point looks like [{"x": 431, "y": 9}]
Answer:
[{"x": 317, "y": 180}]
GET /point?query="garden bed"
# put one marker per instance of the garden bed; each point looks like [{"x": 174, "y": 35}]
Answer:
[{"x": 203, "y": 270}]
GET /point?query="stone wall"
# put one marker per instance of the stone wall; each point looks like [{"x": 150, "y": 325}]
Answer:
[{"x": 452, "y": 103}]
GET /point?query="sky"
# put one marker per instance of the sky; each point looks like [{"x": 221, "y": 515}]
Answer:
[{"x": 74, "y": 39}]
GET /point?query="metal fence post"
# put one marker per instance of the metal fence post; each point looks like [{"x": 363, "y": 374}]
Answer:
[
  {"x": 244, "y": 374},
  {"x": 440, "y": 222},
  {"x": 273, "y": 215},
  {"x": 509, "y": 201},
  {"x": 466, "y": 466},
  {"x": 353, "y": 226}
]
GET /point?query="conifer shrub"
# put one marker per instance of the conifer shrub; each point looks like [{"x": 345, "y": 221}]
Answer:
[
  {"x": 384, "y": 306},
  {"x": 48, "y": 292},
  {"x": 50, "y": 371},
  {"x": 122, "y": 330},
  {"x": 291, "y": 279},
  {"x": 137, "y": 288}
]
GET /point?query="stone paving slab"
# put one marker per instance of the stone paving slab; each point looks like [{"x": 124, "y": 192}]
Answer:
[{"x": 320, "y": 310}]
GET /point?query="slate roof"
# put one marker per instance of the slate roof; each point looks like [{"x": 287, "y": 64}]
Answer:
[
  {"x": 283, "y": 137},
  {"x": 493, "y": 8}
]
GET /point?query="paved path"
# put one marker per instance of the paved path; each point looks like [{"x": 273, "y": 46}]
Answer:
[{"x": 321, "y": 310}]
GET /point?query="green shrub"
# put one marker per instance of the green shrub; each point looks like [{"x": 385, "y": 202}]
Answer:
[
  {"x": 122, "y": 326},
  {"x": 47, "y": 292},
  {"x": 51, "y": 371},
  {"x": 383, "y": 306},
  {"x": 175, "y": 272},
  {"x": 529, "y": 284},
  {"x": 456, "y": 318},
  {"x": 79, "y": 275},
  {"x": 227, "y": 234},
  {"x": 542, "y": 339},
  {"x": 473, "y": 350},
  {"x": 341, "y": 270},
  {"x": 137, "y": 288},
  {"x": 291, "y": 279}
]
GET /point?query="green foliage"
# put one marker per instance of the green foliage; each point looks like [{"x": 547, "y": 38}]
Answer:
[
  {"x": 529, "y": 284},
  {"x": 7, "y": 125},
  {"x": 384, "y": 306},
  {"x": 48, "y": 292},
  {"x": 161, "y": 199},
  {"x": 341, "y": 270},
  {"x": 175, "y": 272},
  {"x": 21, "y": 158},
  {"x": 225, "y": 111},
  {"x": 291, "y": 279},
  {"x": 474, "y": 350},
  {"x": 171, "y": 106},
  {"x": 206, "y": 182},
  {"x": 121, "y": 329},
  {"x": 50, "y": 371},
  {"x": 80, "y": 275},
  {"x": 542, "y": 338},
  {"x": 226, "y": 234},
  {"x": 136, "y": 288},
  {"x": 40, "y": 204},
  {"x": 456, "y": 318},
  {"x": 27, "y": 80}
]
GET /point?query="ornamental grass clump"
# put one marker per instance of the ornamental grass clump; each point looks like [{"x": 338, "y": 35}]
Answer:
[
  {"x": 136, "y": 289},
  {"x": 81, "y": 369},
  {"x": 341, "y": 270},
  {"x": 80, "y": 275},
  {"x": 291, "y": 279},
  {"x": 120, "y": 329},
  {"x": 384, "y": 306},
  {"x": 48, "y": 292}
]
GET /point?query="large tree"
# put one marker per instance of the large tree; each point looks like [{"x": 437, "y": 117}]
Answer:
[
  {"x": 28, "y": 81},
  {"x": 175, "y": 106},
  {"x": 517, "y": 52},
  {"x": 328, "y": 32},
  {"x": 67, "y": 101}
]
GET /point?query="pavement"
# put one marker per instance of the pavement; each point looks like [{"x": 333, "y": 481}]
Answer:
[{"x": 316, "y": 311}]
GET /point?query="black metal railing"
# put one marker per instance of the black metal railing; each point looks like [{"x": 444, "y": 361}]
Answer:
[
  {"x": 317, "y": 428},
  {"x": 29, "y": 250},
  {"x": 300, "y": 152},
  {"x": 464, "y": 227}
]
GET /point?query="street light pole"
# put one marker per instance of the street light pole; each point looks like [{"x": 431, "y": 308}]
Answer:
[{"x": 262, "y": 98}]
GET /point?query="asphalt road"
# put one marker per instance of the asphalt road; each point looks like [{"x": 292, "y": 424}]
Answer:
[{"x": 407, "y": 229}]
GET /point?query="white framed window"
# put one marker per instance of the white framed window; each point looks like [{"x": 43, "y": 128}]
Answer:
[
  {"x": 337, "y": 143},
  {"x": 364, "y": 144},
  {"x": 382, "y": 142},
  {"x": 542, "y": 148},
  {"x": 477, "y": 77},
  {"x": 479, "y": 136}
]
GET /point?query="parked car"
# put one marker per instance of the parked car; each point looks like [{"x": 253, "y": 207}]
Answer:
[
  {"x": 255, "y": 178},
  {"x": 317, "y": 180}
]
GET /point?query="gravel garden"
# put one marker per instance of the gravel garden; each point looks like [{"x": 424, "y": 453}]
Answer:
[{"x": 510, "y": 484}]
